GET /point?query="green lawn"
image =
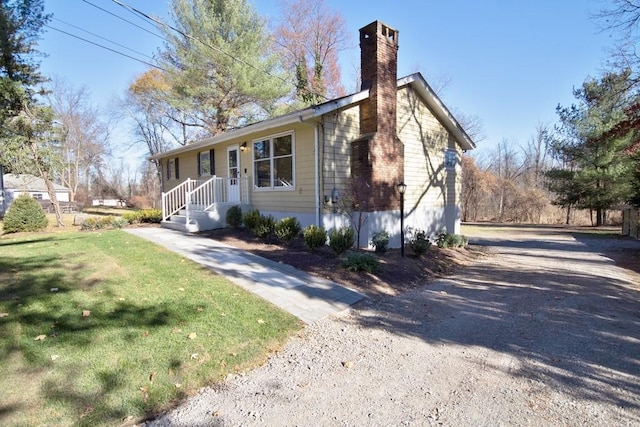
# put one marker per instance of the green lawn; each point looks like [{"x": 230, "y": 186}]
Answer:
[{"x": 99, "y": 327}]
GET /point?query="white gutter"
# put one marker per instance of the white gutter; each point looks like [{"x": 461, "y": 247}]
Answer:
[{"x": 288, "y": 119}]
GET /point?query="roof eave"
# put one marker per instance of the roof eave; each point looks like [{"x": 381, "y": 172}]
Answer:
[
  {"x": 300, "y": 116},
  {"x": 442, "y": 112}
]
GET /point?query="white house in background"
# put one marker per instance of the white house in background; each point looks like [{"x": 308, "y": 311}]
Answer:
[{"x": 16, "y": 185}]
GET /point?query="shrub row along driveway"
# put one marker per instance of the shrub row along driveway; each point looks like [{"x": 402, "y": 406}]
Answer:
[{"x": 543, "y": 331}]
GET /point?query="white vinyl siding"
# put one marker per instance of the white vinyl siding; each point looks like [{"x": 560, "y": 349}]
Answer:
[
  {"x": 339, "y": 131},
  {"x": 430, "y": 183}
]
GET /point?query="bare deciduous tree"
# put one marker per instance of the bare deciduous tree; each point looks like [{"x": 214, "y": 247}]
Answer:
[
  {"x": 311, "y": 36},
  {"x": 84, "y": 141}
]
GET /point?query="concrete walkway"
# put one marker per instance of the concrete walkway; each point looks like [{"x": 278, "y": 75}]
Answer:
[{"x": 307, "y": 297}]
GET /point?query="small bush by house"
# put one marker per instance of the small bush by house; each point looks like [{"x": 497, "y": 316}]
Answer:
[
  {"x": 251, "y": 219},
  {"x": 450, "y": 240},
  {"x": 314, "y": 237},
  {"x": 288, "y": 228},
  {"x": 148, "y": 216},
  {"x": 264, "y": 227},
  {"x": 341, "y": 239},
  {"x": 419, "y": 243},
  {"x": 25, "y": 214},
  {"x": 234, "y": 217},
  {"x": 380, "y": 241},
  {"x": 361, "y": 262}
]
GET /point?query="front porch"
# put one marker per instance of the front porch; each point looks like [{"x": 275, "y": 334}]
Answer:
[{"x": 198, "y": 205}]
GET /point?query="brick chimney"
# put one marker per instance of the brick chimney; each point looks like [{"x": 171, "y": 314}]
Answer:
[{"x": 378, "y": 155}]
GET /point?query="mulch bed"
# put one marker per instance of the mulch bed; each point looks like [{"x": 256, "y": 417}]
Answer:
[{"x": 396, "y": 275}]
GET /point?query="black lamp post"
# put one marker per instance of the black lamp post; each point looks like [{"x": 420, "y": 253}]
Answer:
[{"x": 402, "y": 187}]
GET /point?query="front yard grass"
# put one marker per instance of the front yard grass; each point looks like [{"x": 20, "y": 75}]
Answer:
[{"x": 99, "y": 328}]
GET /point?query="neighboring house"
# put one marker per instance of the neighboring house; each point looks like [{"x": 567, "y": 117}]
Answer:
[
  {"x": 112, "y": 203},
  {"x": 304, "y": 163},
  {"x": 16, "y": 185}
]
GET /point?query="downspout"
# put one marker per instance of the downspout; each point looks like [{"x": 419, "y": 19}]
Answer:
[{"x": 316, "y": 161}]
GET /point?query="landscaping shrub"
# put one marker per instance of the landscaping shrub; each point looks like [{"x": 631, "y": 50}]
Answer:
[
  {"x": 131, "y": 217},
  {"x": 314, "y": 237},
  {"x": 288, "y": 228},
  {"x": 361, "y": 262},
  {"x": 264, "y": 227},
  {"x": 25, "y": 214},
  {"x": 380, "y": 241},
  {"x": 95, "y": 223},
  {"x": 150, "y": 216},
  {"x": 449, "y": 240},
  {"x": 340, "y": 240},
  {"x": 234, "y": 217},
  {"x": 119, "y": 222},
  {"x": 251, "y": 218},
  {"x": 419, "y": 243}
]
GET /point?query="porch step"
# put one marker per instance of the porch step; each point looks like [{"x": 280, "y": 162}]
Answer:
[{"x": 179, "y": 222}]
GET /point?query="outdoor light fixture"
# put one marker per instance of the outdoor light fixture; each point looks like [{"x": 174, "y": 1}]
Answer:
[
  {"x": 402, "y": 187},
  {"x": 243, "y": 147}
]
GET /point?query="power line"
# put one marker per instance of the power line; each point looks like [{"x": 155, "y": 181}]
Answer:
[
  {"x": 189, "y": 36},
  {"x": 103, "y": 38},
  {"x": 123, "y": 19},
  {"x": 105, "y": 47}
]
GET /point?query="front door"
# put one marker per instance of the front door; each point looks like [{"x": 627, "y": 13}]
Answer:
[{"x": 233, "y": 172}]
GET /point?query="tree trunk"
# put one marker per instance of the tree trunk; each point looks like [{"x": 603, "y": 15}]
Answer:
[
  {"x": 54, "y": 198},
  {"x": 599, "y": 217}
]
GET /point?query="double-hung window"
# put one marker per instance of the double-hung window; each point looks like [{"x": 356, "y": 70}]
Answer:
[
  {"x": 273, "y": 162},
  {"x": 172, "y": 169},
  {"x": 206, "y": 163}
]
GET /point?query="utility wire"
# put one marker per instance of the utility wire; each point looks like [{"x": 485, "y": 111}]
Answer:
[
  {"x": 105, "y": 47},
  {"x": 123, "y": 19},
  {"x": 103, "y": 38},
  {"x": 189, "y": 36}
]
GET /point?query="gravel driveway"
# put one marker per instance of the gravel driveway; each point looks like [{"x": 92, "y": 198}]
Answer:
[{"x": 544, "y": 331}]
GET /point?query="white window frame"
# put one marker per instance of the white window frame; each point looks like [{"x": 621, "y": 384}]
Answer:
[
  {"x": 271, "y": 158},
  {"x": 201, "y": 162},
  {"x": 171, "y": 169}
]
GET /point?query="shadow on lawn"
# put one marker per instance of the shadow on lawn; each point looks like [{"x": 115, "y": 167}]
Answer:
[
  {"x": 565, "y": 311},
  {"x": 33, "y": 309}
]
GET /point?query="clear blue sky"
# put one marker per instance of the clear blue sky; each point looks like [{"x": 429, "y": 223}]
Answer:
[{"x": 510, "y": 62}]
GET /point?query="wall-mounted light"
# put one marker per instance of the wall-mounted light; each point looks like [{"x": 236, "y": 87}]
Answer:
[{"x": 243, "y": 147}]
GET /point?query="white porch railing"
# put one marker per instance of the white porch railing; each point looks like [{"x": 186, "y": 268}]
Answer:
[
  {"x": 197, "y": 196},
  {"x": 176, "y": 199}
]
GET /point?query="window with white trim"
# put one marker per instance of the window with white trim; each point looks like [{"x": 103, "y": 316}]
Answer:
[
  {"x": 37, "y": 196},
  {"x": 204, "y": 163},
  {"x": 172, "y": 169},
  {"x": 273, "y": 161}
]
